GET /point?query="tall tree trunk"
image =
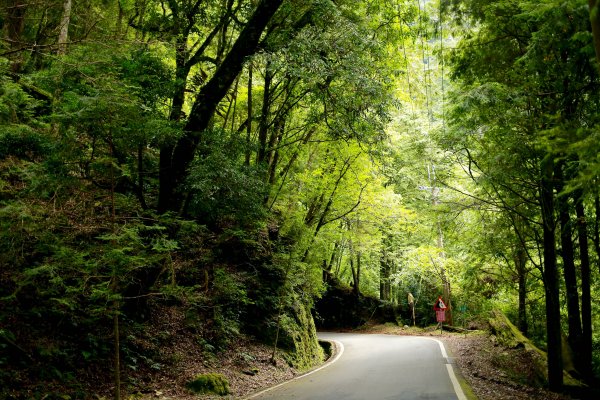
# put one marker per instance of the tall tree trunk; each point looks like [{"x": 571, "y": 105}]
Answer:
[
  {"x": 448, "y": 297},
  {"x": 595, "y": 21},
  {"x": 263, "y": 126},
  {"x": 384, "y": 277},
  {"x": 551, "y": 286},
  {"x": 355, "y": 270},
  {"x": 521, "y": 267},
  {"x": 334, "y": 253},
  {"x": 15, "y": 23},
  {"x": 63, "y": 37},
  {"x": 117, "y": 345},
  {"x": 249, "y": 124},
  {"x": 140, "y": 175},
  {"x": 273, "y": 155},
  {"x": 570, "y": 275},
  {"x": 176, "y": 160},
  {"x": 596, "y": 237},
  {"x": 357, "y": 276},
  {"x": 114, "y": 287},
  {"x": 586, "y": 296}
]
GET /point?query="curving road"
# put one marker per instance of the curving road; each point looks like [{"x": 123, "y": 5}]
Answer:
[{"x": 376, "y": 367}]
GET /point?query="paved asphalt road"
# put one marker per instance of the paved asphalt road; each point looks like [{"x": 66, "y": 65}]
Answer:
[{"x": 376, "y": 367}]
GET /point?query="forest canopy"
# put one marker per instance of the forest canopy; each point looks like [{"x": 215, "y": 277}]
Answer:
[{"x": 234, "y": 161}]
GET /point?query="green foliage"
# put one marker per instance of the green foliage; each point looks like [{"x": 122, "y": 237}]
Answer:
[
  {"x": 209, "y": 384},
  {"x": 23, "y": 142},
  {"x": 16, "y": 105},
  {"x": 221, "y": 188},
  {"x": 148, "y": 76}
]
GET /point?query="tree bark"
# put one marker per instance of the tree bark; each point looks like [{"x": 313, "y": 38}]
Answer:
[
  {"x": 521, "y": 267},
  {"x": 175, "y": 160},
  {"x": 273, "y": 154},
  {"x": 15, "y": 23},
  {"x": 140, "y": 175},
  {"x": 595, "y": 21},
  {"x": 551, "y": 286},
  {"x": 355, "y": 270},
  {"x": 357, "y": 276},
  {"x": 585, "y": 359},
  {"x": 249, "y": 124},
  {"x": 263, "y": 128},
  {"x": 570, "y": 274},
  {"x": 63, "y": 37},
  {"x": 596, "y": 237},
  {"x": 385, "y": 292}
]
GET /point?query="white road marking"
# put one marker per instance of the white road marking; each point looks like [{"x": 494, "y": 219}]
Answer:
[
  {"x": 459, "y": 392},
  {"x": 457, "y": 389}
]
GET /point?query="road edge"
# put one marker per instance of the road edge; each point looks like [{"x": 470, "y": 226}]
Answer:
[
  {"x": 337, "y": 351},
  {"x": 461, "y": 386}
]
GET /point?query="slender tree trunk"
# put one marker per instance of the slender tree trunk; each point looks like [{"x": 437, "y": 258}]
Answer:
[
  {"x": 273, "y": 155},
  {"x": 175, "y": 163},
  {"x": 182, "y": 70},
  {"x": 551, "y": 285},
  {"x": 114, "y": 286},
  {"x": 336, "y": 246},
  {"x": 448, "y": 297},
  {"x": 595, "y": 21},
  {"x": 63, "y": 37},
  {"x": 117, "y": 344},
  {"x": 355, "y": 270},
  {"x": 384, "y": 277},
  {"x": 521, "y": 267},
  {"x": 140, "y": 183},
  {"x": 596, "y": 237},
  {"x": 249, "y": 124},
  {"x": 570, "y": 274},
  {"x": 339, "y": 258},
  {"x": 14, "y": 25},
  {"x": 263, "y": 128},
  {"x": 382, "y": 261},
  {"x": 358, "y": 268},
  {"x": 586, "y": 296},
  {"x": 140, "y": 34}
]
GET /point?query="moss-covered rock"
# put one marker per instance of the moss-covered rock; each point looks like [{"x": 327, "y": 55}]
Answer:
[
  {"x": 299, "y": 337},
  {"x": 209, "y": 384},
  {"x": 508, "y": 335}
]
